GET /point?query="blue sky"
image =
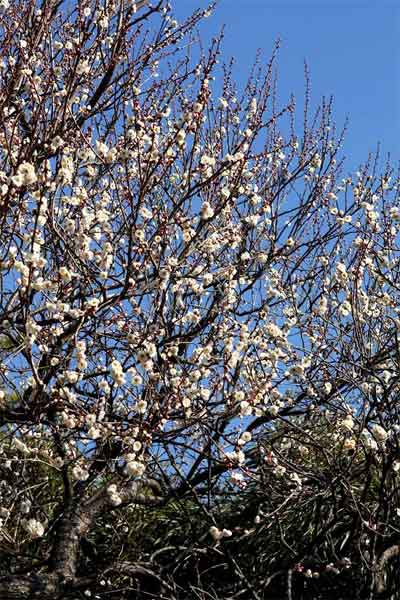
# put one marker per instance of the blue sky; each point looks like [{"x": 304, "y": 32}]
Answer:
[{"x": 352, "y": 48}]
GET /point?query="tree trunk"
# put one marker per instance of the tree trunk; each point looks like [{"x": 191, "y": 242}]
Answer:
[
  {"x": 74, "y": 524},
  {"x": 17, "y": 587}
]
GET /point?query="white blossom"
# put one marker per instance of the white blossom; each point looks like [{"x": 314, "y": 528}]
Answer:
[
  {"x": 26, "y": 175},
  {"x": 34, "y": 528}
]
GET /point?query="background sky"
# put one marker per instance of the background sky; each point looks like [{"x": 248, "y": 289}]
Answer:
[{"x": 352, "y": 48}]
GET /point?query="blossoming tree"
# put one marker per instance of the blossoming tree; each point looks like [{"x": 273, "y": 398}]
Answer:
[{"x": 198, "y": 305}]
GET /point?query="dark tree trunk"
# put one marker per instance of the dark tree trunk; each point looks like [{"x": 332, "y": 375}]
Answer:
[{"x": 17, "y": 587}]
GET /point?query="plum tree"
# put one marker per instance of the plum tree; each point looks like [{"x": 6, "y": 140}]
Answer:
[{"x": 197, "y": 305}]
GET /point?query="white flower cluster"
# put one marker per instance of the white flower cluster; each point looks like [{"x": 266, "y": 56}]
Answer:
[
  {"x": 134, "y": 467},
  {"x": 65, "y": 274},
  {"x": 25, "y": 176},
  {"x": 348, "y": 423},
  {"x": 66, "y": 172},
  {"x": 117, "y": 372},
  {"x": 219, "y": 534},
  {"x": 34, "y": 528},
  {"x": 244, "y": 438},
  {"x": 207, "y": 212},
  {"x": 237, "y": 457},
  {"x": 114, "y": 497},
  {"x": 81, "y": 355},
  {"x": 83, "y": 67},
  {"x": 107, "y": 154},
  {"x": 71, "y": 376},
  {"x": 79, "y": 473},
  {"x": 146, "y": 354}
]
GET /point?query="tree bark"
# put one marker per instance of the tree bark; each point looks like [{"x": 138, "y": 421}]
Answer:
[
  {"x": 386, "y": 556},
  {"x": 45, "y": 587}
]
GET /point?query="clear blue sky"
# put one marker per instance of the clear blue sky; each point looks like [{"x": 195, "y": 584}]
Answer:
[{"x": 352, "y": 48}]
